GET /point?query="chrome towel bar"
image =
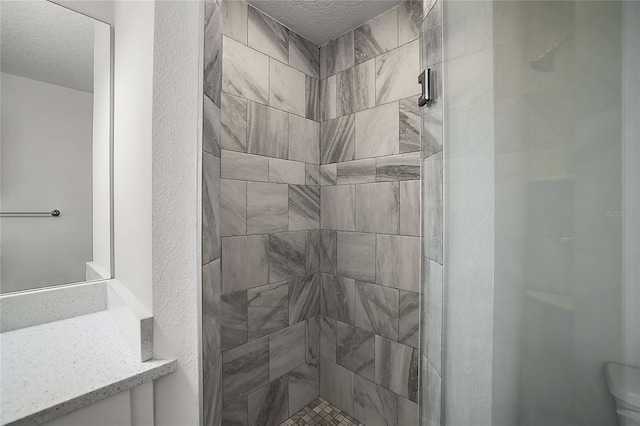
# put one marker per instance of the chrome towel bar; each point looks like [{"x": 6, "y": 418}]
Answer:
[{"x": 54, "y": 213}]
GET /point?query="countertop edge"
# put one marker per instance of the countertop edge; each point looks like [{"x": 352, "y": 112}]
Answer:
[{"x": 47, "y": 414}]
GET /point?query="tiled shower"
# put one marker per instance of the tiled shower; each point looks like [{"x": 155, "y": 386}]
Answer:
[{"x": 311, "y": 218}]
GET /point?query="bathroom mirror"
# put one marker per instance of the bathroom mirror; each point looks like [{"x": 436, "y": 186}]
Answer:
[{"x": 55, "y": 146}]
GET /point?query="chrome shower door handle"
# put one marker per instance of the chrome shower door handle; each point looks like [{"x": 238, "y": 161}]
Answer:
[{"x": 424, "y": 79}]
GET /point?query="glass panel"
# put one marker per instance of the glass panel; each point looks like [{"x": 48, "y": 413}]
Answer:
[{"x": 541, "y": 218}]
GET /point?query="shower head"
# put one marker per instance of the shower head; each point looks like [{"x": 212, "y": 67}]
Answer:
[{"x": 544, "y": 61}]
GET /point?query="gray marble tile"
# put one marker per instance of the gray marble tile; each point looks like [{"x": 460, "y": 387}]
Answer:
[
  {"x": 431, "y": 395},
  {"x": 249, "y": 82},
  {"x": 378, "y": 207},
  {"x": 336, "y": 385},
  {"x": 397, "y": 367},
  {"x": 328, "y": 174},
  {"x": 374, "y": 405},
  {"x": 312, "y": 174},
  {"x": 337, "y": 55},
  {"x": 407, "y": 412},
  {"x": 267, "y": 207},
  {"x": 328, "y": 100},
  {"x": 377, "y": 309},
  {"x": 432, "y": 215},
  {"x": 245, "y": 369},
  {"x": 210, "y": 127},
  {"x": 328, "y": 251},
  {"x": 337, "y": 140},
  {"x": 211, "y": 312},
  {"x": 234, "y": 20},
  {"x": 312, "y": 98},
  {"x": 267, "y": 309},
  {"x": 240, "y": 166},
  {"x": 399, "y": 267},
  {"x": 356, "y": 88},
  {"x": 245, "y": 263},
  {"x": 235, "y": 413},
  {"x": 304, "y": 298},
  {"x": 312, "y": 251},
  {"x": 234, "y": 319},
  {"x": 377, "y": 131},
  {"x": 233, "y": 207},
  {"x": 396, "y": 73},
  {"x": 376, "y": 36},
  {"x": 269, "y": 405},
  {"x": 212, "y": 395},
  {"x": 304, "y": 207},
  {"x": 285, "y": 171},
  {"x": 304, "y": 55},
  {"x": 212, "y": 51},
  {"x": 287, "y": 350},
  {"x": 234, "y": 122},
  {"x": 432, "y": 300},
  {"x": 304, "y": 140},
  {"x": 210, "y": 208},
  {"x": 356, "y": 256},
  {"x": 287, "y": 252},
  {"x": 409, "y": 122},
  {"x": 358, "y": 171},
  {"x": 328, "y": 338},
  {"x": 268, "y": 131},
  {"x": 267, "y": 35},
  {"x": 287, "y": 88},
  {"x": 355, "y": 350},
  {"x": 409, "y": 318},
  {"x": 409, "y": 20},
  {"x": 337, "y": 298},
  {"x": 432, "y": 133},
  {"x": 398, "y": 167},
  {"x": 313, "y": 338},
  {"x": 338, "y": 207},
  {"x": 410, "y": 208},
  {"x": 304, "y": 386}
]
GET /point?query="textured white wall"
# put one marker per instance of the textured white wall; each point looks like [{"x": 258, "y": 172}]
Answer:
[
  {"x": 46, "y": 165},
  {"x": 176, "y": 100}
]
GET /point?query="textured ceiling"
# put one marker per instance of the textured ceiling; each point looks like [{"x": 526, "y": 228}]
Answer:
[
  {"x": 320, "y": 21},
  {"x": 46, "y": 42}
]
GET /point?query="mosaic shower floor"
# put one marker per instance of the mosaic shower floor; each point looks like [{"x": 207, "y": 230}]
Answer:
[{"x": 321, "y": 413}]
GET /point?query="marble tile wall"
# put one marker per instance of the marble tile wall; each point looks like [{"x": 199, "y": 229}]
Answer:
[
  {"x": 311, "y": 218},
  {"x": 370, "y": 219},
  {"x": 269, "y": 219},
  {"x": 212, "y": 305}
]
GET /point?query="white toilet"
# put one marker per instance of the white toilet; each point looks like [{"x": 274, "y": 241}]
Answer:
[{"x": 624, "y": 384}]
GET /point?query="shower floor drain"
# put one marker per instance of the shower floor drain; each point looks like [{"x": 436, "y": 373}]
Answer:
[{"x": 321, "y": 413}]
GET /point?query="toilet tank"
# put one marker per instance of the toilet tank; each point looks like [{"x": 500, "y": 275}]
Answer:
[{"x": 624, "y": 384}]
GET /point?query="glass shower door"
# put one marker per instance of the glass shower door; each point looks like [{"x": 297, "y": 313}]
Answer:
[{"x": 540, "y": 159}]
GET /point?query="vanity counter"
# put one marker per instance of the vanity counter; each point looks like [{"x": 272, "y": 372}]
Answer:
[{"x": 53, "y": 369}]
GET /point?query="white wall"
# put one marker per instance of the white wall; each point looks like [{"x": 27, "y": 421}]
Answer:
[
  {"x": 102, "y": 149},
  {"x": 46, "y": 165},
  {"x": 177, "y": 97},
  {"x": 133, "y": 75}
]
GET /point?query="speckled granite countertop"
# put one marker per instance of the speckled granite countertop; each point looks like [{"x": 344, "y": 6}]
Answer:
[{"x": 53, "y": 369}]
